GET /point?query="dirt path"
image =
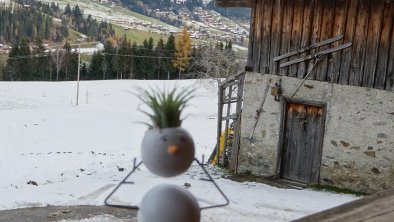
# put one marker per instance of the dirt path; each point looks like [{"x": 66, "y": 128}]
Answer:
[{"x": 57, "y": 213}]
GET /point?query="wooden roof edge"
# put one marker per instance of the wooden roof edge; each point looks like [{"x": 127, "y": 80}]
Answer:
[
  {"x": 234, "y": 3},
  {"x": 247, "y": 3}
]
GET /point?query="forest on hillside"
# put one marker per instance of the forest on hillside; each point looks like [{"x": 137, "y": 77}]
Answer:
[
  {"x": 146, "y": 7},
  {"x": 31, "y": 20},
  {"x": 29, "y": 59}
]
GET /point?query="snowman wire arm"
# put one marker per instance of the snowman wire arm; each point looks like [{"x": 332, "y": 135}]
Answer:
[{"x": 135, "y": 167}]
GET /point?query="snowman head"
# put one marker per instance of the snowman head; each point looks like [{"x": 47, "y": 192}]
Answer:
[{"x": 167, "y": 152}]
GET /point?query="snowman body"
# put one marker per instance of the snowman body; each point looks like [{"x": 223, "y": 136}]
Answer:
[{"x": 169, "y": 203}]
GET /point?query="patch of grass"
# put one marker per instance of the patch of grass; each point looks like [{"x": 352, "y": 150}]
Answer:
[
  {"x": 125, "y": 11},
  {"x": 137, "y": 35},
  {"x": 86, "y": 58},
  {"x": 333, "y": 189},
  {"x": 241, "y": 53},
  {"x": 73, "y": 35}
]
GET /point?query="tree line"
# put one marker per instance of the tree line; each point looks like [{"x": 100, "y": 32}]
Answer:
[
  {"x": 31, "y": 20},
  {"x": 122, "y": 59},
  {"x": 19, "y": 22}
]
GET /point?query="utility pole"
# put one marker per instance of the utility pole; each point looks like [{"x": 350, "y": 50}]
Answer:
[{"x": 79, "y": 70}]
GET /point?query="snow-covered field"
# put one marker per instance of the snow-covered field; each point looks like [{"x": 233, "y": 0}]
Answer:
[{"x": 73, "y": 152}]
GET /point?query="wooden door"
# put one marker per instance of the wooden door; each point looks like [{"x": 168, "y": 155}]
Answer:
[{"x": 302, "y": 142}]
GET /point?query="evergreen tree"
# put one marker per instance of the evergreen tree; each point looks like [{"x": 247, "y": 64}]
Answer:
[
  {"x": 170, "y": 53},
  {"x": 108, "y": 71},
  {"x": 40, "y": 63},
  {"x": 67, "y": 57},
  {"x": 25, "y": 62},
  {"x": 73, "y": 66},
  {"x": 95, "y": 68},
  {"x": 12, "y": 67},
  {"x": 159, "y": 52},
  {"x": 84, "y": 71},
  {"x": 67, "y": 10},
  {"x": 148, "y": 59}
]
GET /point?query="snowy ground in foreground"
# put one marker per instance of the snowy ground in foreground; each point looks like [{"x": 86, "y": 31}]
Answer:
[{"x": 73, "y": 153}]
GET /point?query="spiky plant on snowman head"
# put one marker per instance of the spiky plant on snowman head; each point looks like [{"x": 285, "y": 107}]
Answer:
[
  {"x": 167, "y": 149},
  {"x": 167, "y": 107}
]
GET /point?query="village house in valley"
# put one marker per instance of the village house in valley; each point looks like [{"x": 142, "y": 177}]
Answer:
[{"x": 323, "y": 71}]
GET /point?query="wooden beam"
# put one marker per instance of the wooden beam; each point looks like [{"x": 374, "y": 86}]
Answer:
[
  {"x": 376, "y": 207},
  {"x": 304, "y": 49},
  {"x": 234, "y": 3}
]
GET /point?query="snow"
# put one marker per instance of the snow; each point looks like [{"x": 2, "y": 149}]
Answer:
[
  {"x": 73, "y": 152},
  {"x": 101, "y": 218}
]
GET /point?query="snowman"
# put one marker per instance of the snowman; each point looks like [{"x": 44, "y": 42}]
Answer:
[{"x": 167, "y": 150}]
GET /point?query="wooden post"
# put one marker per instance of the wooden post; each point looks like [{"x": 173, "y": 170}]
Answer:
[
  {"x": 219, "y": 130},
  {"x": 237, "y": 127},
  {"x": 79, "y": 71},
  {"x": 224, "y": 157}
]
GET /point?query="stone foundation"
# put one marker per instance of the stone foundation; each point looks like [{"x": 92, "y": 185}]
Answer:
[{"x": 358, "y": 146}]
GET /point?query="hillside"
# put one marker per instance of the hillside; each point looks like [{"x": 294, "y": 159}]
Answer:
[{"x": 204, "y": 23}]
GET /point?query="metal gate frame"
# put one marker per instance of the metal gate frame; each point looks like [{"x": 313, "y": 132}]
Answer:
[
  {"x": 284, "y": 101},
  {"x": 232, "y": 85}
]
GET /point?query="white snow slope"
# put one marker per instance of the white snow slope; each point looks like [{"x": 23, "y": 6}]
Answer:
[{"x": 73, "y": 152}]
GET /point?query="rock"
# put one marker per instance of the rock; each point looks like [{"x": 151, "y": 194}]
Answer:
[
  {"x": 32, "y": 182},
  {"x": 370, "y": 153},
  {"x": 121, "y": 169},
  {"x": 344, "y": 144},
  {"x": 187, "y": 185},
  {"x": 375, "y": 170}
]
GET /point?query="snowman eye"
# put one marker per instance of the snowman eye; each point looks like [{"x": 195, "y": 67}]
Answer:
[
  {"x": 164, "y": 138},
  {"x": 182, "y": 139}
]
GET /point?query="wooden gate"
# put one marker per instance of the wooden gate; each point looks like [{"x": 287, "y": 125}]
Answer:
[
  {"x": 230, "y": 92},
  {"x": 302, "y": 138}
]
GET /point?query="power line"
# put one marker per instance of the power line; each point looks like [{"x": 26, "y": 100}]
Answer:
[
  {"x": 28, "y": 57},
  {"x": 137, "y": 56}
]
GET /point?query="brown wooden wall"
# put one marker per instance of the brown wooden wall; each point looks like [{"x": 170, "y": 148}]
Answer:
[{"x": 281, "y": 26}]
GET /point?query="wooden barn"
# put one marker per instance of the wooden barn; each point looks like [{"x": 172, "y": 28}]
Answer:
[{"x": 316, "y": 104}]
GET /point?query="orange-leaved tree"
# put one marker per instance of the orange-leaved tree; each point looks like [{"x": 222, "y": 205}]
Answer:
[{"x": 183, "y": 51}]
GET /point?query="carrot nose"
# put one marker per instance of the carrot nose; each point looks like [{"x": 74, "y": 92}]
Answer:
[{"x": 172, "y": 149}]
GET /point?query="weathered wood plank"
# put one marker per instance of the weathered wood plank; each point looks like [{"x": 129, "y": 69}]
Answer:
[
  {"x": 359, "y": 42},
  {"x": 316, "y": 27},
  {"x": 390, "y": 70},
  {"x": 384, "y": 46},
  {"x": 251, "y": 37},
  {"x": 258, "y": 19},
  {"x": 326, "y": 30},
  {"x": 348, "y": 37},
  {"x": 234, "y": 3},
  {"x": 306, "y": 33},
  {"x": 309, "y": 47},
  {"x": 237, "y": 127},
  {"x": 266, "y": 37},
  {"x": 277, "y": 20},
  {"x": 296, "y": 32},
  {"x": 286, "y": 32},
  {"x": 317, "y": 54},
  {"x": 374, "y": 31},
  {"x": 334, "y": 63}
]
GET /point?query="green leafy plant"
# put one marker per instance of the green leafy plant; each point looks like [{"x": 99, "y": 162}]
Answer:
[{"x": 166, "y": 106}]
